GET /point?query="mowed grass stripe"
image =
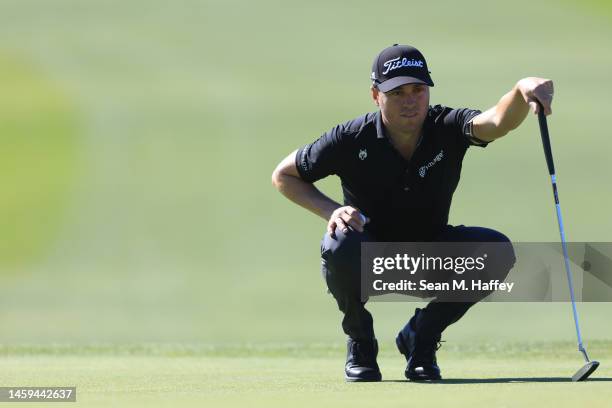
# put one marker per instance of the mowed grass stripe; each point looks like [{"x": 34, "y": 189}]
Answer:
[{"x": 561, "y": 349}]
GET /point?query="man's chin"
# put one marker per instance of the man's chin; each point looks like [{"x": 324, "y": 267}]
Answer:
[{"x": 411, "y": 121}]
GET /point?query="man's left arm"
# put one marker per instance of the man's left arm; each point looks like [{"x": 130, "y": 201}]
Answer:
[{"x": 512, "y": 108}]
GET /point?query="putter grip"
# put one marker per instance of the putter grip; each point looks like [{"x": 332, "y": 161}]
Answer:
[{"x": 546, "y": 140}]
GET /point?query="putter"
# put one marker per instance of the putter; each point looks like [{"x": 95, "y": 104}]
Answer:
[{"x": 591, "y": 365}]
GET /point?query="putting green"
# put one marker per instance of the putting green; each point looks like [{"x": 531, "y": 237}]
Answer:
[
  {"x": 38, "y": 160},
  {"x": 502, "y": 374}
]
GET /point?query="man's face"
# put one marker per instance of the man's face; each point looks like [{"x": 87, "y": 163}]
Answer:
[{"x": 404, "y": 107}]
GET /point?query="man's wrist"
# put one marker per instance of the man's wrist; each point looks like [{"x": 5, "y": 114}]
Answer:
[
  {"x": 329, "y": 210},
  {"x": 518, "y": 90}
]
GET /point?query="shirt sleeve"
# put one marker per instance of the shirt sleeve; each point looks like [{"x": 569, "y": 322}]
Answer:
[
  {"x": 320, "y": 158},
  {"x": 461, "y": 120}
]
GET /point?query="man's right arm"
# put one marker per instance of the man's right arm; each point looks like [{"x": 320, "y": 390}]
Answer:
[{"x": 287, "y": 180}]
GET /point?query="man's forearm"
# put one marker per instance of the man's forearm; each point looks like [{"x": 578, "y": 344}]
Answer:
[
  {"x": 511, "y": 110},
  {"x": 305, "y": 195},
  {"x": 513, "y": 107},
  {"x": 505, "y": 116}
]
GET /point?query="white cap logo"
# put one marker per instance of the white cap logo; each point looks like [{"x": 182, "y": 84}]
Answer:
[{"x": 396, "y": 63}]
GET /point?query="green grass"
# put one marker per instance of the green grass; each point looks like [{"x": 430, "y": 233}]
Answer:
[{"x": 157, "y": 375}]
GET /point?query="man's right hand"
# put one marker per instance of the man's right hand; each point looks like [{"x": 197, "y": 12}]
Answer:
[{"x": 346, "y": 216}]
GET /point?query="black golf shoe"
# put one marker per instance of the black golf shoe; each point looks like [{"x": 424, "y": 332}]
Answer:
[
  {"x": 420, "y": 352},
  {"x": 361, "y": 361}
]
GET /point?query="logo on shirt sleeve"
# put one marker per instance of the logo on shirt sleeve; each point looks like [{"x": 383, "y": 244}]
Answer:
[{"x": 363, "y": 153}]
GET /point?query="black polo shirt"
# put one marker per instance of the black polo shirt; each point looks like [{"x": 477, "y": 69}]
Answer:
[{"x": 406, "y": 200}]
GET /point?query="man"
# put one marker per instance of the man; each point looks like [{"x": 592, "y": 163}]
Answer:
[{"x": 399, "y": 168}]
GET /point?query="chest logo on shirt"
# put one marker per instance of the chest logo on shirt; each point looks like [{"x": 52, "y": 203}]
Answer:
[
  {"x": 423, "y": 169},
  {"x": 363, "y": 153}
]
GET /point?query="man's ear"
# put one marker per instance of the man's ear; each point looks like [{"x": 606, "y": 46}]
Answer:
[{"x": 375, "y": 92}]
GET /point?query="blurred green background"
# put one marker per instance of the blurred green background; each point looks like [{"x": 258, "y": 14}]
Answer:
[{"x": 137, "y": 140}]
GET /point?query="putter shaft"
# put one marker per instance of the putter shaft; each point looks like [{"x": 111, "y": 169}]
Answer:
[{"x": 551, "y": 170}]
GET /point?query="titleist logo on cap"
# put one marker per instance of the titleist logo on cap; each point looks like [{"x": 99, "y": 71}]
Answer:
[{"x": 396, "y": 63}]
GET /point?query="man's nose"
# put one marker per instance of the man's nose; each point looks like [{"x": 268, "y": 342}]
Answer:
[{"x": 409, "y": 99}]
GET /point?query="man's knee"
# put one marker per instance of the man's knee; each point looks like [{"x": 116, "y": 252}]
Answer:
[
  {"x": 498, "y": 243},
  {"x": 341, "y": 262},
  {"x": 491, "y": 235},
  {"x": 500, "y": 254},
  {"x": 462, "y": 233},
  {"x": 506, "y": 250},
  {"x": 342, "y": 246}
]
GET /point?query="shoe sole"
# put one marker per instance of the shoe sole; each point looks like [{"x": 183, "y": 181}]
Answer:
[
  {"x": 421, "y": 379},
  {"x": 350, "y": 379}
]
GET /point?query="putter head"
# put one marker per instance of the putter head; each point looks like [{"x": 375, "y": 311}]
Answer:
[{"x": 585, "y": 371}]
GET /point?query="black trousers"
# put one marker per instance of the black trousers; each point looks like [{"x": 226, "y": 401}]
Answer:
[{"x": 340, "y": 260}]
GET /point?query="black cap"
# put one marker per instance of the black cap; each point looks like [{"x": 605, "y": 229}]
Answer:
[{"x": 399, "y": 65}]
